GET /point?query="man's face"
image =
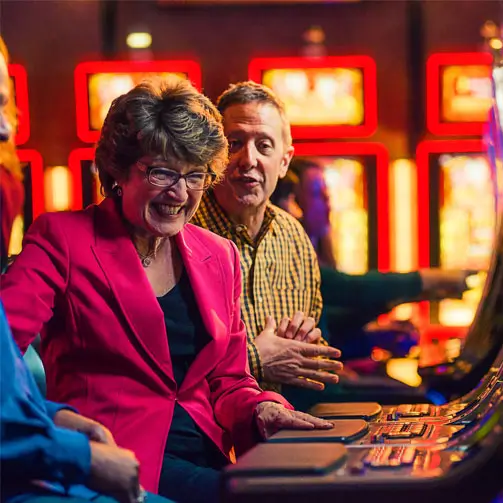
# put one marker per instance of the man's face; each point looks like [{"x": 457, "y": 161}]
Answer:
[
  {"x": 314, "y": 200},
  {"x": 258, "y": 155},
  {"x": 5, "y": 128}
]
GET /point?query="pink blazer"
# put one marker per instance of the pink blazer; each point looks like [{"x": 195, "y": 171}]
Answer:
[{"x": 80, "y": 282}]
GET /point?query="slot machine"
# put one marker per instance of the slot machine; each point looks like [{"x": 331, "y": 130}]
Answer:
[
  {"x": 458, "y": 93},
  {"x": 329, "y": 97},
  {"x": 456, "y": 206},
  {"x": 336, "y": 97},
  {"x": 19, "y": 79},
  {"x": 457, "y": 218},
  {"x": 98, "y": 83},
  {"x": 357, "y": 180},
  {"x": 34, "y": 202},
  {"x": 451, "y": 452}
]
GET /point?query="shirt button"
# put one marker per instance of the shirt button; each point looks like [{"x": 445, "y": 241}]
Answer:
[{"x": 259, "y": 299}]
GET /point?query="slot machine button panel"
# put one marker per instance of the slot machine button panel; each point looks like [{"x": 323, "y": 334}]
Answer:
[{"x": 390, "y": 457}]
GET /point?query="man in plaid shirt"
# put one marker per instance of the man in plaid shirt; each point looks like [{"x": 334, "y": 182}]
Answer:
[{"x": 281, "y": 302}]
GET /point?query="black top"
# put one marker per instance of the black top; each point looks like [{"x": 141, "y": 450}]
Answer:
[{"x": 187, "y": 335}]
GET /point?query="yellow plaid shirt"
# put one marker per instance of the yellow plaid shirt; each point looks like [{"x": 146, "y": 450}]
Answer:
[{"x": 280, "y": 270}]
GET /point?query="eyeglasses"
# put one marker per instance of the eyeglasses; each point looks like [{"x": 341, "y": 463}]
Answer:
[{"x": 164, "y": 177}]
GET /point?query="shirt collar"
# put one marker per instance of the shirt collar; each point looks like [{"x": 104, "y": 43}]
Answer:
[{"x": 233, "y": 230}]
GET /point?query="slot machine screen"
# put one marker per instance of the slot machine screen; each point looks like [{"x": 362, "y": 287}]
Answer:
[
  {"x": 462, "y": 226},
  {"x": 319, "y": 96},
  {"x": 459, "y": 93},
  {"x": 97, "y": 84},
  {"x": 33, "y": 181},
  {"x": 326, "y": 97},
  {"x": 357, "y": 184},
  {"x": 19, "y": 81},
  {"x": 466, "y": 93}
]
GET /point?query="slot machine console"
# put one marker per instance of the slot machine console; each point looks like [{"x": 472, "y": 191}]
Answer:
[{"x": 461, "y": 468}]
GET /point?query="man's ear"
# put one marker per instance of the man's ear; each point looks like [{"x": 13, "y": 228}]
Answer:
[{"x": 285, "y": 161}]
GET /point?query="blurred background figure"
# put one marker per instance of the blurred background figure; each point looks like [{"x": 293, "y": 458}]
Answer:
[
  {"x": 352, "y": 303},
  {"x": 11, "y": 177}
]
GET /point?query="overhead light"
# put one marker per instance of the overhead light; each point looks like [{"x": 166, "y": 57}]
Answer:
[{"x": 139, "y": 40}]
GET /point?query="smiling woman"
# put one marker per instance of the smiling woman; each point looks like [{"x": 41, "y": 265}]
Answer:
[{"x": 140, "y": 309}]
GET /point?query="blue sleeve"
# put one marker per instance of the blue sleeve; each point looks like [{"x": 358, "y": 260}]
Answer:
[
  {"x": 53, "y": 407},
  {"x": 30, "y": 443}
]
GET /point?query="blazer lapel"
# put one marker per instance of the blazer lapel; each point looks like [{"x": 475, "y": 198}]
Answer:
[
  {"x": 136, "y": 300},
  {"x": 205, "y": 276}
]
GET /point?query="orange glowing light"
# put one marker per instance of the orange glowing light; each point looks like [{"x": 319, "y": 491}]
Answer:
[
  {"x": 33, "y": 168},
  {"x": 329, "y": 97},
  {"x": 98, "y": 83},
  {"x": 58, "y": 190},
  {"x": 349, "y": 215},
  {"x": 466, "y": 93},
  {"x": 458, "y": 92},
  {"x": 319, "y": 96},
  {"x": 467, "y": 228}
]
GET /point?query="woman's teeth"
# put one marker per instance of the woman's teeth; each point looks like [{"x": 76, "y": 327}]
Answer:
[{"x": 168, "y": 209}]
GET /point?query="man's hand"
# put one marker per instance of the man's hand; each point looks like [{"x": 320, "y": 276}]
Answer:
[
  {"x": 115, "y": 471},
  {"x": 440, "y": 284},
  {"x": 93, "y": 430},
  {"x": 293, "y": 362},
  {"x": 272, "y": 417},
  {"x": 299, "y": 328}
]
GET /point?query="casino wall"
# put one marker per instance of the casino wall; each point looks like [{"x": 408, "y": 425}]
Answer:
[{"x": 50, "y": 38}]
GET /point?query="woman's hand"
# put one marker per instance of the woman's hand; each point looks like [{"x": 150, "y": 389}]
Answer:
[
  {"x": 272, "y": 417},
  {"x": 93, "y": 430}
]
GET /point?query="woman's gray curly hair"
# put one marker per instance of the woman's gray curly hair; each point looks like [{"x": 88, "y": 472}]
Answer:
[{"x": 164, "y": 117}]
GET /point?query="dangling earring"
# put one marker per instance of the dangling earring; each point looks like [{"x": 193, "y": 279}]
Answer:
[{"x": 117, "y": 189}]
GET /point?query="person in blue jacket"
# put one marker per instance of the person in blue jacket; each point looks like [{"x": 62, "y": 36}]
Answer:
[{"x": 51, "y": 454}]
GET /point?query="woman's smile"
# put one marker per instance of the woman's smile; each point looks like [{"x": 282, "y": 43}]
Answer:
[{"x": 167, "y": 210}]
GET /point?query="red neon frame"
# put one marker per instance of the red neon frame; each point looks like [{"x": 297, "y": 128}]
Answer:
[
  {"x": 74, "y": 164},
  {"x": 433, "y": 92},
  {"x": 382, "y": 165},
  {"x": 83, "y": 70},
  {"x": 366, "y": 63},
  {"x": 18, "y": 72},
  {"x": 36, "y": 165}
]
